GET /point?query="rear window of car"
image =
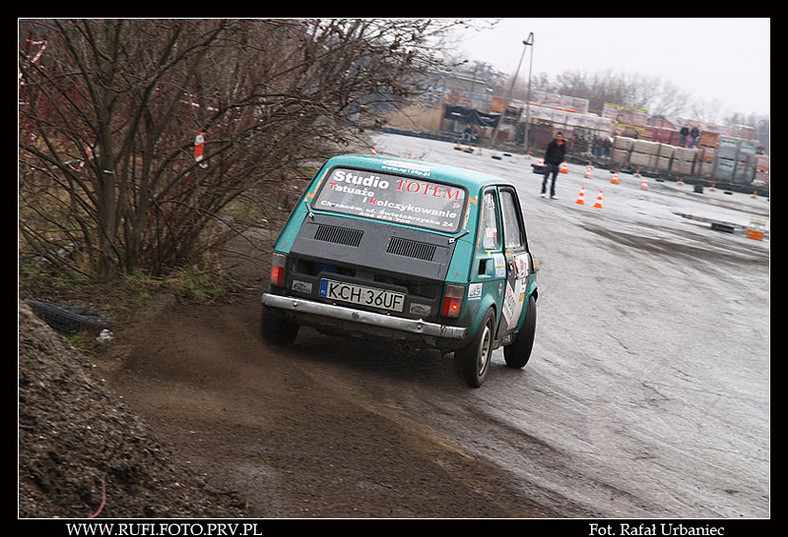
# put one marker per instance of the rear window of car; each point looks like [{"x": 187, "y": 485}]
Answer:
[{"x": 392, "y": 198}]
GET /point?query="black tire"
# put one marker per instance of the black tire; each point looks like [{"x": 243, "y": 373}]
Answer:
[
  {"x": 70, "y": 320},
  {"x": 275, "y": 329},
  {"x": 518, "y": 352},
  {"x": 473, "y": 361}
]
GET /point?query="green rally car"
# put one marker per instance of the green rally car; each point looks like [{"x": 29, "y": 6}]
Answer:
[{"x": 422, "y": 253}]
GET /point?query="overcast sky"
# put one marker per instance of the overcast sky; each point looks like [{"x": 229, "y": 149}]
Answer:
[{"x": 715, "y": 60}]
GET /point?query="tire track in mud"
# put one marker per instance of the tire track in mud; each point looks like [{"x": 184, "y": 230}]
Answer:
[{"x": 289, "y": 433}]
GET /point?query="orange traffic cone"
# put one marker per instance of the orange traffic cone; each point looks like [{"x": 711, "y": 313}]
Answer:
[
  {"x": 374, "y": 150},
  {"x": 540, "y": 162},
  {"x": 564, "y": 168},
  {"x": 581, "y": 200},
  {"x": 614, "y": 180},
  {"x": 644, "y": 184},
  {"x": 588, "y": 171},
  {"x": 598, "y": 203}
]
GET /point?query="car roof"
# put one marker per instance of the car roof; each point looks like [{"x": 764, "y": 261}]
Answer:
[{"x": 470, "y": 179}]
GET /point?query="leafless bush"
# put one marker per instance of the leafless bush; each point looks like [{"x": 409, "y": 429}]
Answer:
[{"x": 110, "y": 111}]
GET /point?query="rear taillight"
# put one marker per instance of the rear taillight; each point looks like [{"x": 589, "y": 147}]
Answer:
[
  {"x": 452, "y": 300},
  {"x": 278, "y": 263}
]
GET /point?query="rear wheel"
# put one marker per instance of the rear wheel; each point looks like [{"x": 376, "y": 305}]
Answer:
[
  {"x": 518, "y": 352},
  {"x": 275, "y": 329},
  {"x": 473, "y": 361}
]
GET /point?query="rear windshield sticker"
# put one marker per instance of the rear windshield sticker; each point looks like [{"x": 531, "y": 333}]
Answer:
[
  {"x": 417, "y": 202},
  {"x": 408, "y": 167}
]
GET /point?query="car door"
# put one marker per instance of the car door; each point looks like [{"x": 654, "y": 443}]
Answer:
[
  {"x": 517, "y": 261},
  {"x": 489, "y": 264}
]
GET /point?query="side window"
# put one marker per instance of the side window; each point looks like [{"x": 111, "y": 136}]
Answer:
[
  {"x": 514, "y": 238},
  {"x": 491, "y": 238}
]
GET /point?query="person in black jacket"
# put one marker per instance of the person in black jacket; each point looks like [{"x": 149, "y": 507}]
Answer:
[
  {"x": 684, "y": 132},
  {"x": 553, "y": 157},
  {"x": 694, "y": 133}
]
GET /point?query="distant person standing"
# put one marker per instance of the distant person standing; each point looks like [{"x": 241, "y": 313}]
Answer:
[
  {"x": 694, "y": 133},
  {"x": 553, "y": 157},
  {"x": 684, "y": 132}
]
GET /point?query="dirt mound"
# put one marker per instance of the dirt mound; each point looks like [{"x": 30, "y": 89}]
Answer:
[{"x": 79, "y": 444}]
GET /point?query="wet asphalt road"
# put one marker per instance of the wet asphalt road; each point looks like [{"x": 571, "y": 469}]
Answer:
[{"x": 647, "y": 394}]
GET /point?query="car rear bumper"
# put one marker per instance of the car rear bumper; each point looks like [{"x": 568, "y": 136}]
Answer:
[{"x": 312, "y": 309}]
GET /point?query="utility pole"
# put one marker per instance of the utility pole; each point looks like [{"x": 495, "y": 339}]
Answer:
[{"x": 526, "y": 43}]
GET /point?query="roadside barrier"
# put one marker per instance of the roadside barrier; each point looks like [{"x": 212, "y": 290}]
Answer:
[
  {"x": 756, "y": 235},
  {"x": 757, "y": 228}
]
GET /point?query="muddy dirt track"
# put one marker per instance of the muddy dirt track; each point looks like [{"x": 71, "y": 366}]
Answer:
[{"x": 290, "y": 435}]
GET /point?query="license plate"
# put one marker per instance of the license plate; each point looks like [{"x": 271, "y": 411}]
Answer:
[{"x": 362, "y": 295}]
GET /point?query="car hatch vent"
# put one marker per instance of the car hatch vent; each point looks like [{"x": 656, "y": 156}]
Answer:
[
  {"x": 338, "y": 235},
  {"x": 409, "y": 248}
]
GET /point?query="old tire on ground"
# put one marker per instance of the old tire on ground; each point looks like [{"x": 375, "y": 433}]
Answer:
[
  {"x": 518, "y": 352},
  {"x": 70, "y": 320},
  {"x": 473, "y": 360}
]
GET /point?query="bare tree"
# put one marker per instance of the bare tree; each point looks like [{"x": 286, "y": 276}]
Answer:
[
  {"x": 110, "y": 111},
  {"x": 628, "y": 89}
]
